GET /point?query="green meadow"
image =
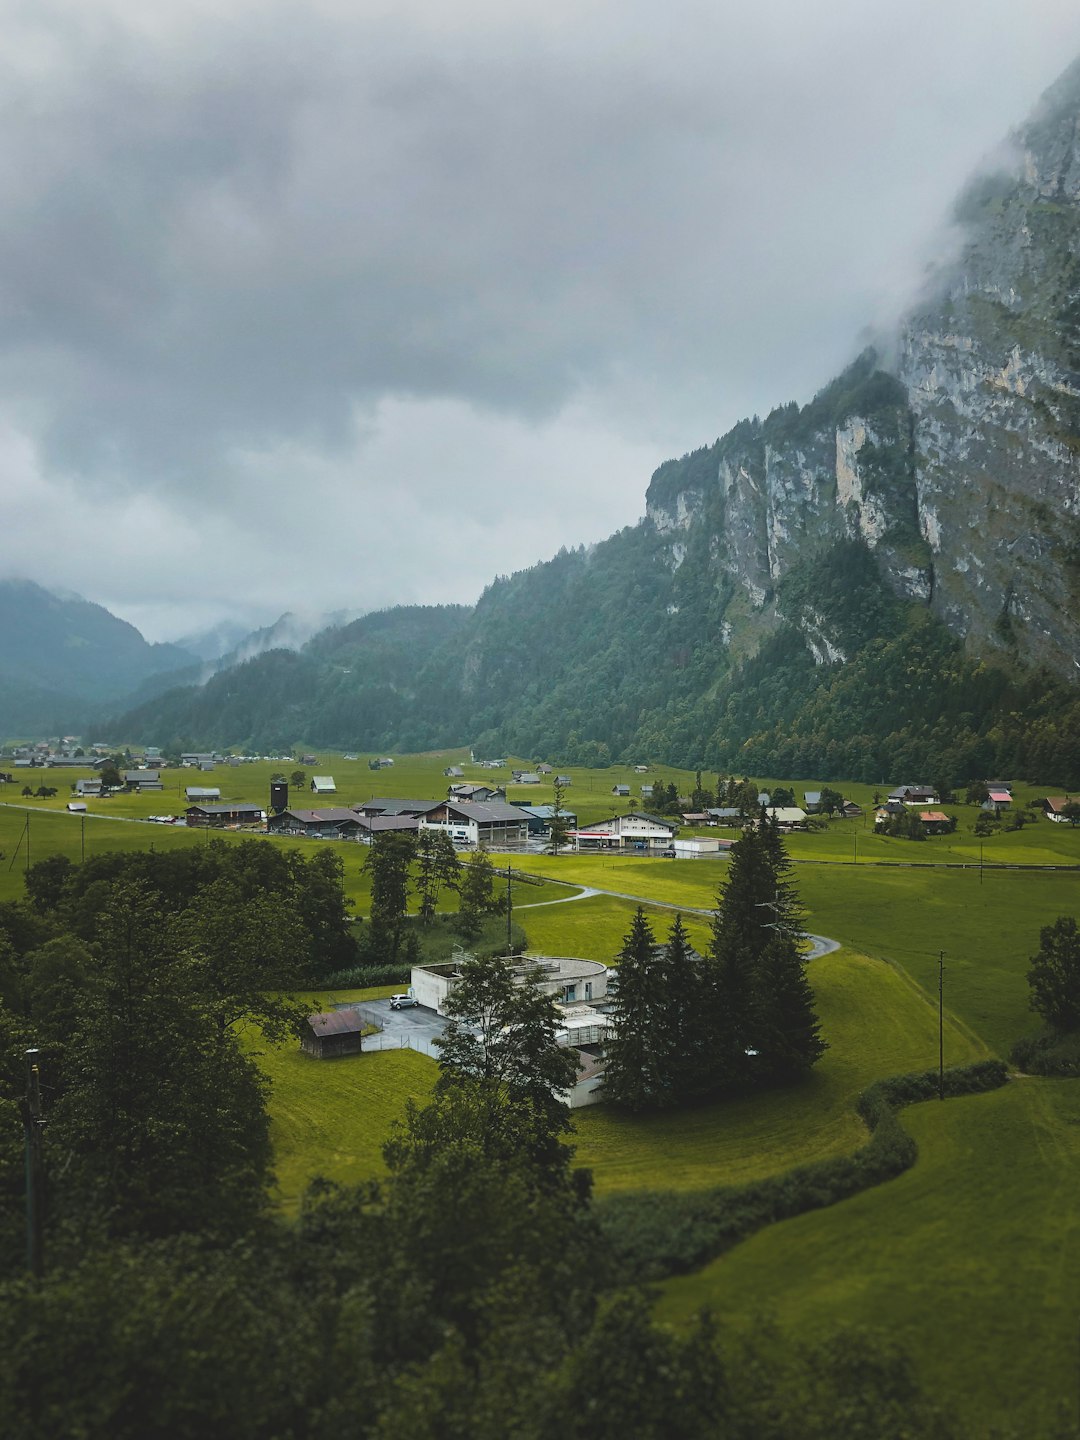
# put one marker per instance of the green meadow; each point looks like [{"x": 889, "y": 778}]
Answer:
[{"x": 971, "y": 1258}]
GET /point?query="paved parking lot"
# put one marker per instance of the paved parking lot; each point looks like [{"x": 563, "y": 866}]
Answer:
[{"x": 417, "y": 1026}]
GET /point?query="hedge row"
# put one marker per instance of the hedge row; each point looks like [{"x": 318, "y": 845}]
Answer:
[{"x": 656, "y": 1234}]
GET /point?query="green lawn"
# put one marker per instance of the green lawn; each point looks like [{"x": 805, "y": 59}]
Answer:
[
  {"x": 971, "y": 1260},
  {"x": 330, "y": 1117},
  {"x": 876, "y": 1024}
]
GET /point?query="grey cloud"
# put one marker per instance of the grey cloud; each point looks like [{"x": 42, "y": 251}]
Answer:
[{"x": 234, "y": 235}]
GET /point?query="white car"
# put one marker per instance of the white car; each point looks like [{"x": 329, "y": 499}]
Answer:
[{"x": 402, "y": 1002}]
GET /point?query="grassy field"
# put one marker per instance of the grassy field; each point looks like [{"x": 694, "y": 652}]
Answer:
[
  {"x": 876, "y": 1024},
  {"x": 330, "y": 1117},
  {"x": 971, "y": 1259}
]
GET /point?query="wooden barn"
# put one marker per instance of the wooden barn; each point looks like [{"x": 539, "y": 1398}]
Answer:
[{"x": 332, "y": 1033}]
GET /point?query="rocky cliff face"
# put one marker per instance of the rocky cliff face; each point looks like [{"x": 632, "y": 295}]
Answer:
[{"x": 961, "y": 469}]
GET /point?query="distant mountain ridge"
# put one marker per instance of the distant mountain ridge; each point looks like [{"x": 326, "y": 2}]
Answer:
[
  {"x": 59, "y": 653},
  {"x": 884, "y": 580}
]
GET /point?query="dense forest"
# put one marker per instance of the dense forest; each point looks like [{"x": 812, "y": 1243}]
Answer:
[
  {"x": 473, "y": 1291},
  {"x": 608, "y": 655}
]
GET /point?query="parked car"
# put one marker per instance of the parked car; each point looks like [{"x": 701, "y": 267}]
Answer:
[{"x": 402, "y": 1002}]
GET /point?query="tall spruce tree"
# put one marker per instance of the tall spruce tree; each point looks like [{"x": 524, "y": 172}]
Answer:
[
  {"x": 680, "y": 1034},
  {"x": 758, "y": 1003},
  {"x": 629, "y": 1076}
]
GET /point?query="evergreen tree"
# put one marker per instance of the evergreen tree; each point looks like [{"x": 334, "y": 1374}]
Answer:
[
  {"x": 787, "y": 1034},
  {"x": 679, "y": 1033},
  {"x": 630, "y": 1077},
  {"x": 559, "y": 831}
]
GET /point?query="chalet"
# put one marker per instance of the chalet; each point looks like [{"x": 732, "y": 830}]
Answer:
[
  {"x": 331, "y": 823},
  {"x": 545, "y": 769},
  {"x": 997, "y": 801},
  {"x": 470, "y": 823},
  {"x": 454, "y": 772},
  {"x": 621, "y": 790},
  {"x": 142, "y": 780},
  {"x": 202, "y": 794},
  {"x": 323, "y": 785},
  {"x": 850, "y": 811},
  {"x": 90, "y": 787},
  {"x": 541, "y": 816},
  {"x": 887, "y": 811},
  {"x": 935, "y": 822},
  {"x": 788, "y": 817},
  {"x": 222, "y": 815},
  {"x": 470, "y": 791},
  {"x": 1054, "y": 808},
  {"x": 914, "y": 794},
  {"x": 563, "y": 780},
  {"x": 695, "y": 818},
  {"x": 332, "y": 1033},
  {"x": 635, "y": 830}
]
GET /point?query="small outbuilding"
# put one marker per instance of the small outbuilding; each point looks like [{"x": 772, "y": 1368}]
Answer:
[
  {"x": 332, "y": 1033},
  {"x": 323, "y": 785}
]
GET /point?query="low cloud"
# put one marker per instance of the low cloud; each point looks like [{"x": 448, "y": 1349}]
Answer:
[{"x": 339, "y": 306}]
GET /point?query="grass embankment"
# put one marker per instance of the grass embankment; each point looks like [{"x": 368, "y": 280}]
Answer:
[
  {"x": 876, "y": 1025},
  {"x": 330, "y": 1117},
  {"x": 971, "y": 1260}
]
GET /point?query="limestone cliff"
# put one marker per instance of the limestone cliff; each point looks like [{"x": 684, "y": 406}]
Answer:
[{"x": 963, "y": 474}]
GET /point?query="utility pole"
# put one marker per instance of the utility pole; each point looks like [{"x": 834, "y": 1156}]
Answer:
[
  {"x": 941, "y": 1023},
  {"x": 82, "y": 839},
  {"x": 509, "y": 914},
  {"x": 35, "y": 1188},
  {"x": 855, "y": 837}
]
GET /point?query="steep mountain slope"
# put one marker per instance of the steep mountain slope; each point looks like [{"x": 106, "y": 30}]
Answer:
[
  {"x": 885, "y": 579},
  {"x": 59, "y": 652}
]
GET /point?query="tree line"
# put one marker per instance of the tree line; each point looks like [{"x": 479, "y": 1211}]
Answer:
[{"x": 738, "y": 1018}]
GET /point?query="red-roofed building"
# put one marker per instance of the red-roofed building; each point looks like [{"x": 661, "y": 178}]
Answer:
[
  {"x": 936, "y": 822},
  {"x": 997, "y": 800}
]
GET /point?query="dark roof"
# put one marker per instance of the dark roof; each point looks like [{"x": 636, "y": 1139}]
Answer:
[
  {"x": 226, "y": 809},
  {"x": 336, "y": 1022},
  {"x": 397, "y": 807},
  {"x": 331, "y": 815},
  {"x": 376, "y": 824},
  {"x": 488, "y": 812}
]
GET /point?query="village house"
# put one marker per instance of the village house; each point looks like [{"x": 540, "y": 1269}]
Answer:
[
  {"x": 914, "y": 794},
  {"x": 568, "y": 981},
  {"x": 997, "y": 800},
  {"x": 471, "y": 791},
  {"x": 935, "y": 822},
  {"x": 1054, "y": 807},
  {"x": 142, "y": 780},
  {"x": 635, "y": 830}
]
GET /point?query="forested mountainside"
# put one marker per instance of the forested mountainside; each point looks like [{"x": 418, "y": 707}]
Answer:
[
  {"x": 884, "y": 580},
  {"x": 60, "y": 652}
]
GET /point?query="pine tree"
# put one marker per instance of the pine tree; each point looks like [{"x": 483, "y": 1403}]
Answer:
[
  {"x": 787, "y": 1034},
  {"x": 629, "y": 1078},
  {"x": 679, "y": 1033}
]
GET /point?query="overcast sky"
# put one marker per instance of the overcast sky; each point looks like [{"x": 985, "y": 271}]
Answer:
[{"x": 324, "y": 305}]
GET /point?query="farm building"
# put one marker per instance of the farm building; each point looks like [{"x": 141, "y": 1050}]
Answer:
[
  {"x": 378, "y": 805},
  {"x": 621, "y": 790},
  {"x": 454, "y": 772},
  {"x": 323, "y": 785},
  {"x": 202, "y": 794},
  {"x": 88, "y": 787},
  {"x": 330, "y": 823},
  {"x": 699, "y": 845},
  {"x": 142, "y": 780},
  {"x": 541, "y": 816},
  {"x": 914, "y": 794},
  {"x": 1054, "y": 808},
  {"x": 469, "y": 791},
  {"x": 997, "y": 801},
  {"x": 935, "y": 822},
  {"x": 219, "y": 815},
  {"x": 77, "y": 807},
  {"x": 332, "y": 1033}
]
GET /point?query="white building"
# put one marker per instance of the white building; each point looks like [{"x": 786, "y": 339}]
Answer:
[{"x": 633, "y": 831}]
